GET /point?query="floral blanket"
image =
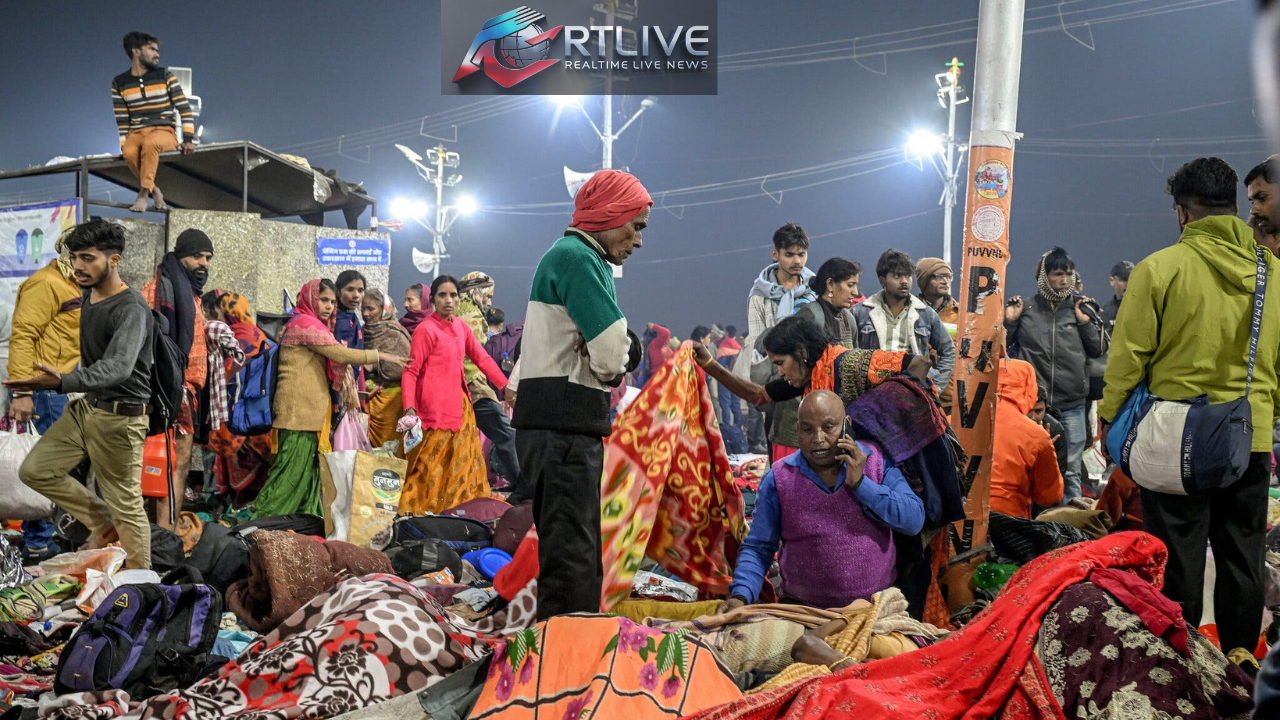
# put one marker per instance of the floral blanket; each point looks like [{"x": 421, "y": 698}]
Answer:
[
  {"x": 367, "y": 640},
  {"x": 668, "y": 488},
  {"x": 580, "y": 667}
]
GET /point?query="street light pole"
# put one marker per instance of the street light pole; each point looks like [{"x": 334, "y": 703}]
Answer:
[
  {"x": 432, "y": 170},
  {"x": 948, "y": 92},
  {"x": 606, "y": 136}
]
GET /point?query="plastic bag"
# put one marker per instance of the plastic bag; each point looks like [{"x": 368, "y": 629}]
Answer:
[
  {"x": 105, "y": 560},
  {"x": 411, "y": 426},
  {"x": 12, "y": 574},
  {"x": 17, "y": 501},
  {"x": 336, "y": 472},
  {"x": 350, "y": 436},
  {"x": 360, "y": 492}
]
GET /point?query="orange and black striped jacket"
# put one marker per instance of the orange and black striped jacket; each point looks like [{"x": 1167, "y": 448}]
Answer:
[{"x": 152, "y": 100}]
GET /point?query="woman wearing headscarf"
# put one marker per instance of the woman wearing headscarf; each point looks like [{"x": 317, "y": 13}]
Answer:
[
  {"x": 447, "y": 467},
  {"x": 238, "y": 315},
  {"x": 382, "y": 332},
  {"x": 414, "y": 312},
  {"x": 312, "y": 364},
  {"x": 240, "y": 463},
  {"x": 835, "y": 285}
]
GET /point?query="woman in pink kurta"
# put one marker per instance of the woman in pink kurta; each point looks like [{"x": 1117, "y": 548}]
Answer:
[{"x": 447, "y": 468}]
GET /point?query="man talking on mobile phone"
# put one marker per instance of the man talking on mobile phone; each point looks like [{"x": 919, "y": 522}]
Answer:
[{"x": 832, "y": 507}]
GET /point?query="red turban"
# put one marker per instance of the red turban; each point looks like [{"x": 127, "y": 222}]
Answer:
[{"x": 608, "y": 200}]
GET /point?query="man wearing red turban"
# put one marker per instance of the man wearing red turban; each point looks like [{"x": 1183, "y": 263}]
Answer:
[{"x": 576, "y": 347}]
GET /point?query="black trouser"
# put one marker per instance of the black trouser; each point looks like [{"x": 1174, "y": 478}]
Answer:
[
  {"x": 564, "y": 471},
  {"x": 1234, "y": 521},
  {"x": 494, "y": 423}
]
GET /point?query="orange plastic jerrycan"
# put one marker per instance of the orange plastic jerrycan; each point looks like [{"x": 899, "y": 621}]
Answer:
[{"x": 155, "y": 474}]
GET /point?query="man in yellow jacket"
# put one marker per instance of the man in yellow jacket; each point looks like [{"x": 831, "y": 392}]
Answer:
[
  {"x": 46, "y": 330},
  {"x": 1184, "y": 326}
]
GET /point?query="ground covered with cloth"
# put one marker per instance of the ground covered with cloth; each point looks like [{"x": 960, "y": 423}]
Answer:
[
  {"x": 367, "y": 640},
  {"x": 996, "y": 666}
]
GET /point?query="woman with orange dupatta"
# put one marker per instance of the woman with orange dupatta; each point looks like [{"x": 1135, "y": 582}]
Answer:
[
  {"x": 312, "y": 363},
  {"x": 240, "y": 464},
  {"x": 807, "y": 361}
]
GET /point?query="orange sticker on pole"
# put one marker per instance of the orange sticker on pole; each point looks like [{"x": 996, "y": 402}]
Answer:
[{"x": 980, "y": 335}]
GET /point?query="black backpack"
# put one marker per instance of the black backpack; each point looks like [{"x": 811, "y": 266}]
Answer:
[
  {"x": 168, "y": 377},
  {"x": 461, "y": 534},
  {"x": 144, "y": 639}
]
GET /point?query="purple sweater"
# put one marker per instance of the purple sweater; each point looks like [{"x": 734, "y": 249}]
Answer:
[{"x": 837, "y": 546}]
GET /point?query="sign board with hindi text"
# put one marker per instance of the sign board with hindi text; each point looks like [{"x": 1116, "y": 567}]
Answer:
[{"x": 353, "y": 251}]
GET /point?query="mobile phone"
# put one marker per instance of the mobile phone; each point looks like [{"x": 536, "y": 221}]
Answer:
[{"x": 847, "y": 431}]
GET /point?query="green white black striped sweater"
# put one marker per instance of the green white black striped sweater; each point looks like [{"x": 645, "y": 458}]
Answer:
[{"x": 572, "y": 295}]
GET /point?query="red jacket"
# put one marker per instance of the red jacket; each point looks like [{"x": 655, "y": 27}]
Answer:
[
  {"x": 433, "y": 383},
  {"x": 659, "y": 350}
]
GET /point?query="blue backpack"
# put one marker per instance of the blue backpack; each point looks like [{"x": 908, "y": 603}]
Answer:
[{"x": 254, "y": 393}]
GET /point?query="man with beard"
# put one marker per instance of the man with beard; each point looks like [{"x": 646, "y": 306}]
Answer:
[
  {"x": 894, "y": 320},
  {"x": 175, "y": 292},
  {"x": 109, "y": 424},
  {"x": 476, "y": 293},
  {"x": 149, "y": 102},
  {"x": 1264, "y": 197}
]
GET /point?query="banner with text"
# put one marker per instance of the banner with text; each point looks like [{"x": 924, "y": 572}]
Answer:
[{"x": 28, "y": 234}]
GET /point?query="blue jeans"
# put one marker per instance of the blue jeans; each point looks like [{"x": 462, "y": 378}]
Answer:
[
  {"x": 49, "y": 405},
  {"x": 1074, "y": 422}
]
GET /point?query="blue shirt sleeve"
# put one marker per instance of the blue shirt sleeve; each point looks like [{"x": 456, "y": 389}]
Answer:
[
  {"x": 892, "y": 503},
  {"x": 756, "y": 556}
]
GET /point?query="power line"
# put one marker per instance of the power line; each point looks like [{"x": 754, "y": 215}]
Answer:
[{"x": 857, "y": 49}]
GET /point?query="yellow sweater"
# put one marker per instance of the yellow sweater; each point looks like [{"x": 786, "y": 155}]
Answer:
[
  {"x": 302, "y": 387},
  {"x": 46, "y": 323}
]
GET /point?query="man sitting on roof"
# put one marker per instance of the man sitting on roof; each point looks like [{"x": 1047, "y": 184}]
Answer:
[
  {"x": 833, "y": 507},
  {"x": 148, "y": 103}
]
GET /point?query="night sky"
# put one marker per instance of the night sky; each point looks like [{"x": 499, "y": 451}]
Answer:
[{"x": 1167, "y": 81}]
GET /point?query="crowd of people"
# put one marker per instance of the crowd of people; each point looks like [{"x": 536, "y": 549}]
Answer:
[{"x": 847, "y": 396}]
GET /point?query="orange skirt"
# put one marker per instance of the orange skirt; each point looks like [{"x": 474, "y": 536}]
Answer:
[
  {"x": 446, "y": 469},
  {"x": 384, "y": 412}
]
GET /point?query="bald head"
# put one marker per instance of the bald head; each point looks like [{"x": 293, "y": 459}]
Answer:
[
  {"x": 821, "y": 422},
  {"x": 822, "y": 404}
]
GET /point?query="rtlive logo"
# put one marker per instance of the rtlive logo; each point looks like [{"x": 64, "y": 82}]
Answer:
[{"x": 511, "y": 48}]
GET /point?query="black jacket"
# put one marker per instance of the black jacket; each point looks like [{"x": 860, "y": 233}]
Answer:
[{"x": 1058, "y": 348}]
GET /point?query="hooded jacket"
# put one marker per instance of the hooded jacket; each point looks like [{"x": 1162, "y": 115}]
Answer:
[
  {"x": 1024, "y": 466},
  {"x": 1058, "y": 347},
  {"x": 1184, "y": 325}
]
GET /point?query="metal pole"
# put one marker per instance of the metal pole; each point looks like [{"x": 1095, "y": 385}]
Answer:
[
  {"x": 951, "y": 177},
  {"x": 986, "y": 250},
  {"x": 437, "y": 245},
  {"x": 607, "y": 125},
  {"x": 244, "y": 182}
]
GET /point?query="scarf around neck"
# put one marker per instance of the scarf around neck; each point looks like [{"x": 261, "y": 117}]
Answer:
[
  {"x": 175, "y": 301},
  {"x": 788, "y": 299},
  {"x": 1055, "y": 297},
  {"x": 412, "y": 319}
]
